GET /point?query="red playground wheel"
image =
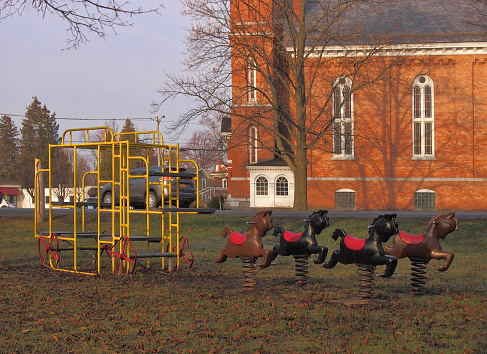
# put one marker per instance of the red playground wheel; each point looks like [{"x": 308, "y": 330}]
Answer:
[
  {"x": 49, "y": 250},
  {"x": 186, "y": 255},
  {"x": 125, "y": 261}
]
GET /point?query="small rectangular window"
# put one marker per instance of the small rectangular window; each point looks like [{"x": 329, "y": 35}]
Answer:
[
  {"x": 345, "y": 200},
  {"x": 425, "y": 200}
]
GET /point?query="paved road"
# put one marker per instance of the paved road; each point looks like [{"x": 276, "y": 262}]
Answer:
[{"x": 461, "y": 215}]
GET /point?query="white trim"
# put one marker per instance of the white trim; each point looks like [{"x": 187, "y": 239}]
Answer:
[
  {"x": 271, "y": 199},
  {"x": 461, "y": 48},
  {"x": 240, "y": 178},
  {"x": 250, "y": 23},
  {"x": 400, "y": 179},
  {"x": 252, "y": 81},
  {"x": 424, "y": 191},
  {"x": 345, "y": 190},
  {"x": 252, "y": 104}
]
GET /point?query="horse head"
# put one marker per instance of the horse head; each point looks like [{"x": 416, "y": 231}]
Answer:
[
  {"x": 319, "y": 220},
  {"x": 262, "y": 222},
  {"x": 386, "y": 226},
  {"x": 442, "y": 224}
]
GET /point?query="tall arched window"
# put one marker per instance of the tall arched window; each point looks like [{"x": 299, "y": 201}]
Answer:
[
  {"x": 282, "y": 186},
  {"x": 342, "y": 118},
  {"x": 261, "y": 186},
  {"x": 252, "y": 80},
  {"x": 252, "y": 145},
  {"x": 423, "y": 117}
]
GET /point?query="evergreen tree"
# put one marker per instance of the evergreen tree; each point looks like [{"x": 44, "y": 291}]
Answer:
[
  {"x": 39, "y": 129},
  {"x": 8, "y": 149},
  {"x": 128, "y": 128}
]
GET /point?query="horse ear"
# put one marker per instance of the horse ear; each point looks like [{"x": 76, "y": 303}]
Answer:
[
  {"x": 450, "y": 215},
  {"x": 321, "y": 212},
  {"x": 393, "y": 216},
  {"x": 267, "y": 212}
]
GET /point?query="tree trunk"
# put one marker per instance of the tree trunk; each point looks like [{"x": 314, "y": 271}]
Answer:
[{"x": 301, "y": 181}]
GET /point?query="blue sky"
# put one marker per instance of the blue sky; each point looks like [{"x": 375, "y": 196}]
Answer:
[{"x": 115, "y": 77}]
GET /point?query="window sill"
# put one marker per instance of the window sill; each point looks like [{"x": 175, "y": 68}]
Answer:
[
  {"x": 343, "y": 158},
  {"x": 423, "y": 158}
]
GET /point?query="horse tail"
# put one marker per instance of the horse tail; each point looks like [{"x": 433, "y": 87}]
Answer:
[
  {"x": 226, "y": 230},
  {"x": 278, "y": 230},
  {"x": 338, "y": 233}
]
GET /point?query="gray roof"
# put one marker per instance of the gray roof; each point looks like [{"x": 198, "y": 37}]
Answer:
[{"x": 406, "y": 21}]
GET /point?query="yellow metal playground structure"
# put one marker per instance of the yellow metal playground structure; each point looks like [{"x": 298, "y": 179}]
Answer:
[{"x": 106, "y": 239}]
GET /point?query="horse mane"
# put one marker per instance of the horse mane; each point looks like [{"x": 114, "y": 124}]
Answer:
[{"x": 432, "y": 222}]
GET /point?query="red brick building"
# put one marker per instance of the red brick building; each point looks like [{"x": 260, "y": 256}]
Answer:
[{"x": 417, "y": 140}]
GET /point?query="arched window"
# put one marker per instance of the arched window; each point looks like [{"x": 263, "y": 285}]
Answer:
[
  {"x": 282, "y": 186},
  {"x": 261, "y": 186},
  {"x": 423, "y": 117},
  {"x": 342, "y": 118},
  {"x": 252, "y": 145},
  {"x": 252, "y": 80}
]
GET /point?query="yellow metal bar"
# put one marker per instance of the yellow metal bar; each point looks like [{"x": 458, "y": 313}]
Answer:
[
  {"x": 108, "y": 133},
  {"x": 116, "y": 149}
]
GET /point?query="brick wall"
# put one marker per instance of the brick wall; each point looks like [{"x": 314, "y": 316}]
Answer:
[{"x": 383, "y": 172}]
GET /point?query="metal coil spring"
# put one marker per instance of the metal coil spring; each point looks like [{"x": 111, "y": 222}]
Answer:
[
  {"x": 249, "y": 273},
  {"x": 418, "y": 275},
  {"x": 365, "y": 274},
  {"x": 301, "y": 269}
]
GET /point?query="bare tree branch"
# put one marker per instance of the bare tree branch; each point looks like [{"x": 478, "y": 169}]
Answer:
[
  {"x": 292, "y": 47},
  {"x": 84, "y": 17}
]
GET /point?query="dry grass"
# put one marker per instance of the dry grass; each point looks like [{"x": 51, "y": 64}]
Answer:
[{"x": 206, "y": 310}]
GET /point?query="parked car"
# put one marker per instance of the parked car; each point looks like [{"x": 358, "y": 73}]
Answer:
[
  {"x": 137, "y": 192},
  {"x": 6, "y": 204},
  {"x": 91, "y": 203}
]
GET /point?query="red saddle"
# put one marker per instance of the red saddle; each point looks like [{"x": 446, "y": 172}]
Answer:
[
  {"x": 291, "y": 237},
  {"x": 237, "y": 238},
  {"x": 411, "y": 239},
  {"x": 353, "y": 243}
]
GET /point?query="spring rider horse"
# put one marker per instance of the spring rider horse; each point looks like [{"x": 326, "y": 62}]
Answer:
[
  {"x": 367, "y": 253},
  {"x": 420, "y": 249},
  {"x": 302, "y": 244},
  {"x": 248, "y": 246}
]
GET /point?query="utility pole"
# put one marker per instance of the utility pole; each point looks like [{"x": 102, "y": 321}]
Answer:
[{"x": 158, "y": 141}]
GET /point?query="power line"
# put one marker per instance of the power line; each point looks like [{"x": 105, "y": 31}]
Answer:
[
  {"x": 97, "y": 119},
  {"x": 66, "y": 118}
]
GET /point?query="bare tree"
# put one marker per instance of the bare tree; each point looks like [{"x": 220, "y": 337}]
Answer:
[
  {"x": 61, "y": 174},
  {"x": 290, "y": 49},
  {"x": 83, "y": 17},
  {"x": 205, "y": 147}
]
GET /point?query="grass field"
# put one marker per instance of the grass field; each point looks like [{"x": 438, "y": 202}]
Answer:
[{"x": 205, "y": 310}]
